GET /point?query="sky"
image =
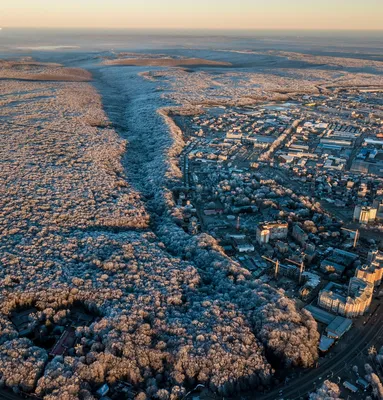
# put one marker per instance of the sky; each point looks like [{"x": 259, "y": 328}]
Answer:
[{"x": 194, "y": 14}]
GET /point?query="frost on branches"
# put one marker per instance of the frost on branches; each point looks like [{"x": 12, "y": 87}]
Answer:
[{"x": 168, "y": 310}]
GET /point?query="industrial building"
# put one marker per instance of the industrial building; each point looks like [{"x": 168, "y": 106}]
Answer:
[
  {"x": 325, "y": 343},
  {"x": 338, "y": 327},
  {"x": 320, "y": 315}
]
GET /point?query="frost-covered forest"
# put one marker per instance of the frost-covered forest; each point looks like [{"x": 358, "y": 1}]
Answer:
[
  {"x": 237, "y": 87},
  {"x": 170, "y": 310}
]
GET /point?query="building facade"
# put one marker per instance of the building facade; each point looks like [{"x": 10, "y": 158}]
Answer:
[
  {"x": 364, "y": 214},
  {"x": 372, "y": 273},
  {"x": 271, "y": 231},
  {"x": 349, "y": 302},
  {"x": 299, "y": 235}
]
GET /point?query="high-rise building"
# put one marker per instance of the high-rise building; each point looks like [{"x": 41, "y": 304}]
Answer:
[
  {"x": 270, "y": 231},
  {"x": 364, "y": 214},
  {"x": 378, "y": 204},
  {"x": 372, "y": 273},
  {"x": 349, "y": 302}
]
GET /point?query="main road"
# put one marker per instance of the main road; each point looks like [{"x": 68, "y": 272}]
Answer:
[{"x": 9, "y": 395}]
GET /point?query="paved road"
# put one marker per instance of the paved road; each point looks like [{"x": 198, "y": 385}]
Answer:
[
  {"x": 305, "y": 384},
  {"x": 8, "y": 395},
  {"x": 358, "y": 144}
]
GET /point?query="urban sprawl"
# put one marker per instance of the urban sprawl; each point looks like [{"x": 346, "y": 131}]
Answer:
[{"x": 293, "y": 192}]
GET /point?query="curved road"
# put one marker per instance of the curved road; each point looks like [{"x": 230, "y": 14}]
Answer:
[{"x": 8, "y": 395}]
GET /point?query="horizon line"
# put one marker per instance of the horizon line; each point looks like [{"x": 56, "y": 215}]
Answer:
[{"x": 199, "y": 29}]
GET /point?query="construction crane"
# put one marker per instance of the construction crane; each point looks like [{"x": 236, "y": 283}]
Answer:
[
  {"x": 238, "y": 227},
  {"x": 314, "y": 179},
  {"x": 276, "y": 271},
  {"x": 356, "y": 235},
  {"x": 301, "y": 268}
]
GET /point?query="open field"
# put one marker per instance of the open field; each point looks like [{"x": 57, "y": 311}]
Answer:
[{"x": 33, "y": 71}]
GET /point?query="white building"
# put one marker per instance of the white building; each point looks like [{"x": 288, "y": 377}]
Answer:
[
  {"x": 270, "y": 231},
  {"x": 349, "y": 302},
  {"x": 372, "y": 273},
  {"x": 245, "y": 247},
  {"x": 364, "y": 214}
]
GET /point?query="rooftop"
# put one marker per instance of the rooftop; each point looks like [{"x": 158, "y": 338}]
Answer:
[{"x": 338, "y": 327}]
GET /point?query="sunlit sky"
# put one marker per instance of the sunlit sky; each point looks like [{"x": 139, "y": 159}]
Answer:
[{"x": 194, "y": 14}]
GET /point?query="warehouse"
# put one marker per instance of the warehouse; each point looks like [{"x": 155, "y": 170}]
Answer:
[{"x": 338, "y": 327}]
